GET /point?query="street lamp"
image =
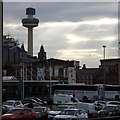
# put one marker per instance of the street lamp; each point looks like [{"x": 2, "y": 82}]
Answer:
[
  {"x": 104, "y": 46},
  {"x": 103, "y": 88},
  {"x": 50, "y": 72},
  {"x": 1, "y": 30}
]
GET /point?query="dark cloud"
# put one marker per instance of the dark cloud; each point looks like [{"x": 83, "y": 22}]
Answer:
[{"x": 61, "y": 11}]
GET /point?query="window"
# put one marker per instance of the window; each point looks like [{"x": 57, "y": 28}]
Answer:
[
  {"x": 83, "y": 77},
  {"x": 91, "y": 77}
]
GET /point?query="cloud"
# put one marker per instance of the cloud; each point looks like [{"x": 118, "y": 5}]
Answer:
[{"x": 68, "y": 30}]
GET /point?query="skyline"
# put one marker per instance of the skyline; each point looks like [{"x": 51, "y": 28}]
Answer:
[{"x": 79, "y": 30}]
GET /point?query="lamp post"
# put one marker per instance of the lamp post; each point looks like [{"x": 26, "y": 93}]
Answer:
[
  {"x": 50, "y": 71},
  {"x": 104, "y": 46},
  {"x": 1, "y": 34},
  {"x": 103, "y": 89}
]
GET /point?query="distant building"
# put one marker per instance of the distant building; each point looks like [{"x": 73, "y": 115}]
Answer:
[
  {"x": 42, "y": 54},
  {"x": 90, "y": 75},
  {"x": 59, "y": 69},
  {"x": 36, "y": 72},
  {"x": 111, "y": 70},
  {"x": 24, "y": 52},
  {"x": 11, "y": 51}
]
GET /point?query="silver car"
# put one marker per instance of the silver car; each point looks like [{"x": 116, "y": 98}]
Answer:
[
  {"x": 57, "y": 109},
  {"x": 71, "y": 114},
  {"x": 12, "y": 104}
]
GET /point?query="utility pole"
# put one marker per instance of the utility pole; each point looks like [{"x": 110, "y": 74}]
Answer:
[{"x": 1, "y": 34}]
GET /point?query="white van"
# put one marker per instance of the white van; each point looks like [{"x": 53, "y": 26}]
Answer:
[
  {"x": 88, "y": 108},
  {"x": 63, "y": 98}
]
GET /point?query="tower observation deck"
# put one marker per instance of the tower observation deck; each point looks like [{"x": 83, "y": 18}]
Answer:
[{"x": 30, "y": 22}]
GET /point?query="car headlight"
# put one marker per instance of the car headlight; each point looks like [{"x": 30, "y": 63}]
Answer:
[{"x": 13, "y": 117}]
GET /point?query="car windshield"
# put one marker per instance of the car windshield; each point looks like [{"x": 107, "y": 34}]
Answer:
[
  {"x": 68, "y": 112},
  {"x": 109, "y": 108},
  {"x": 14, "y": 111},
  {"x": 8, "y": 103},
  {"x": 59, "y": 108},
  {"x": 39, "y": 109}
]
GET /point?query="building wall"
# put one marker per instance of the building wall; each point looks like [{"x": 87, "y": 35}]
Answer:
[
  {"x": 112, "y": 70},
  {"x": 90, "y": 76}
]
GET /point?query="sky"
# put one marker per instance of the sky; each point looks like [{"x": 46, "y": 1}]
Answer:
[{"x": 67, "y": 30}]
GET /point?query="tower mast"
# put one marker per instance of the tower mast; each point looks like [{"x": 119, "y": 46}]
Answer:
[{"x": 30, "y": 22}]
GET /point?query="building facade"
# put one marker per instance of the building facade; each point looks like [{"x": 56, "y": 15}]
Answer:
[
  {"x": 112, "y": 70},
  {"x": 90, "y": 75}
]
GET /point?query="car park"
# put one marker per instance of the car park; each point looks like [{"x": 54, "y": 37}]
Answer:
[
  {"x": 109, "y": 110},
  {"x": 41, "y": 112},
  {"x": 55, "y": 110},
  {"x": 20, "y": 114},
  {"x": 71, "y": 114}
]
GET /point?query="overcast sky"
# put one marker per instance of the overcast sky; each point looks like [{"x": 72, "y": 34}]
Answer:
[{"x": 68, "y": 30}]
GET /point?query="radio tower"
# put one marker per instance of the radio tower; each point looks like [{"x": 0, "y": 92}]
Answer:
[{"x": 30, "y": 22}]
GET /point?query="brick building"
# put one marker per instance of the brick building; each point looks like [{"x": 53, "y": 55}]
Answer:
[{"x": 112, "y": 70}]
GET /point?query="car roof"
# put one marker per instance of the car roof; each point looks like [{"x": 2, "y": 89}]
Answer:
[
  {"x": 73, "y": 109},
  {"x": 13, "y": 101},
  {"x": 10, "y": 101},
  {"x": 110, "y": 102},
  {"x": 112, "y": 105},
  {"x": 22, "y": 108},
  {"x": 40, "y": 107}
]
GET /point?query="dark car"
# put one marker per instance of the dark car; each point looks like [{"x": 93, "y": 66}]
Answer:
[
  {"x": 20, "y": 114},
  {"x": 109, "y": 110},
  {"x": 41, "y": 112},
  {"x": 25, "y": 101},
  {"x": 4, "y": 109}
]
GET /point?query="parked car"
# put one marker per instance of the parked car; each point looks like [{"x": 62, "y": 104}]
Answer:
[
  {"x": 109, "y": 110},
  {"x": 39, "y": 100},
  {"x": 71, "y": 114},
  {"x": 20, "y": 114},
  {"x": 12, "y": 104},
  {"x": 25, "y": 101},
  {"x": 41, "y": 112},
  {"x": 55, "y": 110},
  {"x": 99, "y": 105}
]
